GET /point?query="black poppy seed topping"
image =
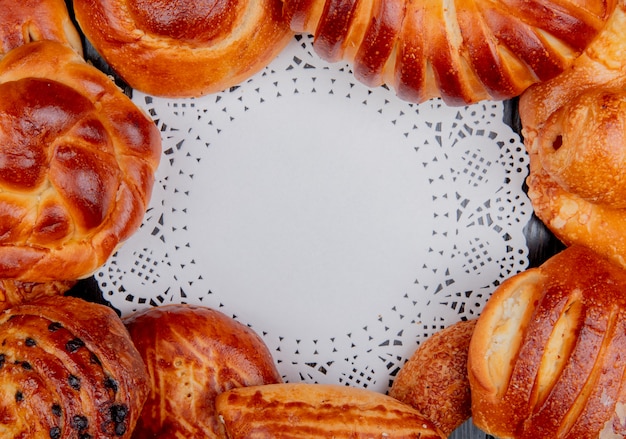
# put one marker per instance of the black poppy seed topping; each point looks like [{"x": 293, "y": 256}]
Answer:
[
  {"x": 120, "y": 429},
  {"x": 74, "y": 382},
  {"x": 79, "y": 422},
  {"x": 30, "y": 342},
  {"x": 55, "y": 433},
  {"x": 74, "y": 345},
  {"x": 57, "y": 410},
  {"x": 19, "y": 396},
  {"x": 110, "y": 383},
  {"x": 55, "y": 326},
  {"x": 26, "y": 365}
]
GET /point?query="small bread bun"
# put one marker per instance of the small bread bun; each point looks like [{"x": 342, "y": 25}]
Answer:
[
  {"x": 36, "y": 20},
  {"x": 434, "y": 380},
  {"x": 77, "y": 163},
  {"x": 547, "y": 356},
  {"x": 15, "y": 292},
  {"x": 193, "y": 354},
  {"x": 184, "y": 48},
  {"x": 68, "y": 369}
]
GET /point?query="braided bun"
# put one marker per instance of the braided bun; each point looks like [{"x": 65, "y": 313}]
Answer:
[
  {"x": 463, "y": 51},
  {"x": 77, "y": 162},
  {"x": 180, "y": 48}
]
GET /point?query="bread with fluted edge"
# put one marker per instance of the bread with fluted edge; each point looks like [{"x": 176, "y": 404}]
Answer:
[
  {"x": 77, "y": 163},
  {"x": 312, "y": 411},
  {"x": 574, "y": 129},
  {"x": 68, "y": 369},
  {"x": 193, "y": 354},
  {"x": 183, "y": 48},
  {"x": 463, "y": 51},
  {"x": 547, "y": 355},
  {"x": 36, "y": 20}
]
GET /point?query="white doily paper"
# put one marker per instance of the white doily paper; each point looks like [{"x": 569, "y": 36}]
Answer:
[{"x": 341, "y": 223}]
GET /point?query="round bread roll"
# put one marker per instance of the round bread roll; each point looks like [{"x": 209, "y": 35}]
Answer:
[
  {"x": 193, "y": 354},
  {"x": 68, "y": 369},
  {"x": 36, "y": 20},
  {"x": 77, "y": 163},
  {"x": 574, "y": 128},
  {"x": 546, "y": 359},
  {"x": 434, "y": 380},
  {"x": 462, "y": 51},
  {"x": 179, "y": 48}
]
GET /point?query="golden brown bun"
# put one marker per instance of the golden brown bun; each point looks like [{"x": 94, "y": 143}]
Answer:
[
  {"x": 68, "y": 369},
  {"x": 36, "y": 20},
  {"x": 575, "y": 131},
  {"x": 547, "y": 355},
  {"x": 14, "y": 292},
  {"x": 77, "y": 162},
  {"x": 434, "y": 380},
  {"x": 464, "y": 51},
  {"x": 193, "y": 354},
  {"x": 314, "y": 411},
  {"x": 182, "y": 48}
]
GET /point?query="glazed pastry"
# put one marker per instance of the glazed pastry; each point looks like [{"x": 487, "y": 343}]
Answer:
[
  {"x": 91, "y": 154},
  {"x": 36, "y": 20},
  {"x": 464, "y": 51},
  {"x": 180, "y": 48},
  {"x": 314, "y": 411},
  {"x": 68, "y": 369},
  {"x": 575, "y": 131},
  {"x": 193, "y": 354},
  {"x": 546, "y": 357},
  {"x": 15, "y": 292},
  {"x": 434, "y": 380}
]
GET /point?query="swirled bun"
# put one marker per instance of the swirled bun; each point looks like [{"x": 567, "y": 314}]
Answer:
[
  {"x": 68, "y": 369},
  {"x": 575, "y": 131},
  {"x": 463, "y": 51},
  {"x": 181, "y": 48},
  {"x": 547, "y": 355},
  {"x": 36, "y": 20},
  {"x": 77, "y": 162},
  {"x": 194, "y": 354}
]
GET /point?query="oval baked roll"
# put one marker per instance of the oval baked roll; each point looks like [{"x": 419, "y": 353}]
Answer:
[
  {"x": 77, "y": 163},
  {"x": 546, "y": 359},
  {"x": 193, "y": 354},
  {"x": 68, "y": 369},
  {"x": 182, "y": 48}
]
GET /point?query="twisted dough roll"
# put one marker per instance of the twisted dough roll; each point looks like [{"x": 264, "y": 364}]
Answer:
[
  {"x": 464, "y": 51},
  {"x": 68, "y": 369},
  {"x": 546, "y": 359},
  {"x": 181, "y": 48},
  {"x": 574, "y": 128},
  {"x": 36, "y": 20},
  {"x": 77, "y": 162}
]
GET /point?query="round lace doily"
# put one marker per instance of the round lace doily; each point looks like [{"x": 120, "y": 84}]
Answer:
[{"x": 342, "y": 224}]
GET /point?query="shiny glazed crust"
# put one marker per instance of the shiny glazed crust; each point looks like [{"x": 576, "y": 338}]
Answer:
[
  {"x": 77, "y": 162},
  {"x": 181, "y": 48},
  {"x": 193, "y": 354},
  {"x": 434, "y": 380},
  {"x": 546, "y": 358},
  {"x": 68, "y": 370},
  {"x": 36, "y": 20},
  {"x": 312, "y": 411},
  {"x": 575, "y": 131},
  {"x": 464, "y": 50}
]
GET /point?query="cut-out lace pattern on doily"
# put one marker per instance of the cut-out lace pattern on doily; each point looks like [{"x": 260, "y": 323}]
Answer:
[{"x": 469, "y": 164}]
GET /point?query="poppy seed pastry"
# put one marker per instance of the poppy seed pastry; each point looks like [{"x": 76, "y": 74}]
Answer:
[
  {"x": 463, "y": 51},
  {"x": 193, "y": 354},
  {"x": 546, "y": 357},
  {"x": 179, "y": 48},
  {"x": 77, "y": 163},
  {"x": 68, "y": 369}
]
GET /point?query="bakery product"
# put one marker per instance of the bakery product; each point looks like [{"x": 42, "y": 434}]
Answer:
[
  {"x": 36, "y": 20},
  {"x": 16, "y": 292},
  {"x": 312, "y": 411},
  {"x": 194, "y": 353},
  {"x": 181, "y": 48},
  {"x": 463, "y": 51},
  {"x": 546, "y": 357},
  {"x": 68, "y": 369},
  {"x": 77, "y": 163},
  {"x": 434, "y": 380},
  {"x": 574, "y": 128}
]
